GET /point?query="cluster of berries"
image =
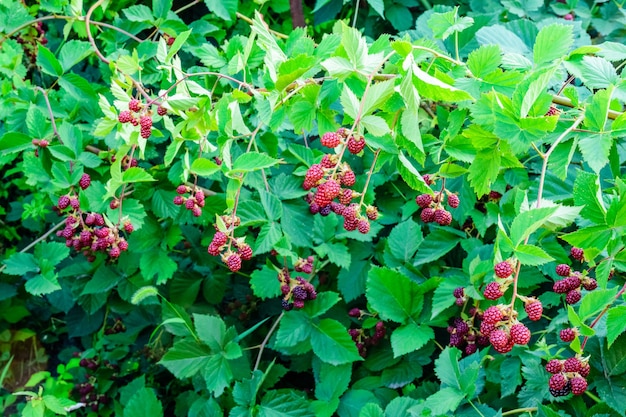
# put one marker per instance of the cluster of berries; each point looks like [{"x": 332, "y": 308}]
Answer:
[
  {"x": 296, "y": 291},
  {"x": 138, "y": 115},
  {"x": 87, "y": 390},
  {"x": 193, "y": 202},
  {"x": 304, "y": 265},
  {"x": 330, "y": 180},
  {"x": 459, "y": 295},
  {"x": 88, "y": 233},
  {"x": 431, "y": 204},
  {"x": 241, "y": 309},
  {"x": 568, "y": 376},
  {"x": 497, "y": 288},
  {"x": 500, "y": 325},
  {"x": 465, "y": 337},
  {"x": 364, "y": 339},
  {"x": 117, "y": 327},
  {"x": 223, "y": 242},
  {"x": 30, "y": 40},
  {"x": 572, "y": 283}
]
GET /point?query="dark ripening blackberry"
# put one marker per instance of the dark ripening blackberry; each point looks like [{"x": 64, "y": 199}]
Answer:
[{"x": 534, "y": 309}]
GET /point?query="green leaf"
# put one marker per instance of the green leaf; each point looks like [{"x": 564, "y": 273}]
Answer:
[
  {"x": 615, "y": 323},
  {"x": 393, "y": 295},
  {"x": 48, "y": 62},
  {"x": 295, "y": 327},
  {"x": 157, "y": 262},
  {"x": 332, "y": 381},
  {"x": 271, "y": 205},
  {"x": 269, "y": 235},
  {"x": 371, "y": 410},
  {"x": 444, "y": 401},
  {"x": 445, "y": 24},
  {"x": 351, "y": 281},
  {"x": 409, "y": 338},
  {"x": 41, "y": 285},
  {"x": 447, "y": 368},
  {"x": 595, "y": 150},
  {"x": 597, "y": 72},
  {"x": 377, "y": 95},
  {"x": 72, "y": 52},
  {"x": 587, "y": 193},
  {"x": 138, "y": 13},
  {"x": 528, "y": 222},
  {"x": 186, "y": 358},
  {"x": 20, "y": 263},
  {"x": 350, "y": 102},
  {"x": 404, "y": 240},
  {"x": 552, "y": 42},
  {"x": 375, "y": 125},
  {"x": 204, "y": 167},
  {"x": 136, "y": 174},
  {"x": 590, "y": 237},
  {"x": 484, "y": 60},
  {"x": 484, "y": 170},
  {"x": 143, "y": 403},
  {"x": 161, "y": 8},
  {"x": 211, "y": 330},
  {"x": 595, "y": 301},
  {"x": 435, "y": 245},
  {"x": 102, "y": 281},
  {"x": 264, "y": 284},
  {"x": 332, "y": 343},
  {"x": 284, "y": 403},
  {"x": 532, "y": 255},
  {"x": 181, "y": 38},
  {"x": 15, "y": 142},
  {"x": 435, "y": 89},
  {"x": 410, "y": 175},
  {"x": 224, "y": 9},
  {"x": 253, "y": 161}
]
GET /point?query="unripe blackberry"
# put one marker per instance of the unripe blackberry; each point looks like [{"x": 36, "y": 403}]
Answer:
[
  {"x": 99, "y": 219},
  {"x": 584, "y": 370},
  {"x": 63, "y": 203},
  {"x": 363, "y": 226},
  {"x": 554, "y": 366},
  {"x": 499, "y": 339},
  {"x": 115, "y": 203},
  {"x": 219, "y": 239},
  {"x": 493, "y": 291},
  {"x": 578, "y": 385},
  {"x": 350, "y": 224},
  {"x": 572, "y": 365},
  {"x": 557, "y": 381},
  {"x": 315, "y": 173},
  {"x": 563, "y": 270},
  {"x": 74, "y": 203},
  {"x": 574, "y": 281},
  {"x": 345, "y": 197},
  {"x": 162, "y": 111},
  {"x": 43, "y": 143},
  {"x": 182, "y": 189},
  {"x": 427, "y": 215},
  {"x": 577, "y": 253},
  {"x": 462, "y": 327},
  {"x": 328, "y": 161},
  {"x": 196, "y": 211},
  {"x": 568, "y": 335},
  {"x": 503, "y": 269},
  {"x": 355, "y": 146},
  {"x": 199, "y": 196},
  {"x": 102, "y": 232},
  {"x": 134, "y": 105},
  {"x": 590, "y": 284},
  {"x": 298, "y": 303},
  {"x": 314, "y": 208},
  {"x": 371, "y": 212},
  {"x": 568, "y": 16},
  {"x": 122, "y": 244},
  {"x": 453, "y": 200},
  {"x": 573, "y": 297},
  {"x": 245, "y": 251},
  {"x": 459, "y": 301},
  {"x": 348, "y": 179},
  {"x": 234, "y": 262},
  {"x": 125, "y": 116},
  {"x": 213, "y": 249},
  {"x": 471, "y": 348},
  {"x": 428, "y": 179},
  {"x": 520, "y": 335},
  {"x": 534, "y": 309},
  {"x": 331, "y": 139},
  {"x": 492, "y": 315},
  {"x": 146, "y": 126},
  {"x": 84, "y": 181},
  {"x": 494, "y": 196},
  {"x": 424, "y": 200},
  {"x": 90, "y": 219},
  {"x": 189, "y": 204},
  {"x": 128, "y": 226},
  {"x": 114, "y": 252},
  {"x": 179, "y": 200},
  {"x": 299, "y": 293}
]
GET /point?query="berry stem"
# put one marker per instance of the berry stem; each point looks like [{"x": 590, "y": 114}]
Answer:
[
  {"x": 39, "y": 239},
  {"x": 369, "y": 176},
  {"x": 54, "y": 124},
  {"x": 602, "y": 313},
  {"x": 520, "y": 411},
  {"x": 266, "y": 339}
]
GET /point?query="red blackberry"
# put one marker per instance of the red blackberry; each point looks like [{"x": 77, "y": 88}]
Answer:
[
  {"x": 170, "y": 41},
  {"x": 577, "y": 253},
  {"x": 315, "y": 173},
  {"x": 428, "y": 215},
  {"x": 234, "y": 262},
  {"x": 520, "y": 335},
  {"x": 494, "y": 196},
  {"x": 568, "y": 335},
  {"x": 492, "y": 315},
  {"x": 63, "y": 203},
  {"x": 557, "y": 381},
  {"x": 572, "y": 365},
  {"x": 462, "y": 327},
  {"x": 590, "y": 284},
  {"x": 443, "y": 217},
  {"x": 554, "y": 366},
  {"x": 199, "y": 196},
  {"x": 355, "y": 146},
  {"x": 298, "y": 303},
  {"x": 90, "y": 219},
  {"x": 499, "y": 339},
  {"x": 534, "y": 309},
  {"x": 122, "y": 244},
  {"x": 424, "y": 200},
  {"x": 146, "y": 126},
  {"x": 355, "y": 312},
  {"x": 337, "y": 208},
  {"x": 458, "y": 292},
  {"x": 568, "y": 16},
  {"x": 43, "y": 143},
  {"x": 74, "y": 203},
  {"x": 189, "y": 204},
  {"x": 329, "y": 161},
  {"x": 453, "y": 200},
  {"x": 503, "y": 269},
  {"x": 125, "y": 116},
  {"x": 560, "y": 287},
  {"x": 350, "y": 224},
  {"x": 363, "y": 226},
  {"x": 573, "y": 297},
  {"x": 134, "y": 105},
  {"x": 578, "y": 385},
  {"x": 179, "y": 200},
  {"x": 428, "y": 179},
  {"x": 573, "y": 282},
  {"x": 493, "y": 291},
  {"x": 459, "y": 301},
  {"x": 346, "y": 196},
  {"x": 348, "y": 179},
  {"x": 161, "y": 111},
  {"x": 563, "y": 270},
  {"x": 113, "y": 204},
  {"x": 99, "y": 219},
  {"x": 128, "y": 226},
  {"x": 552, "y": 111},
  {"x": 327, "y": 192},
  {"x": 584, "y": 369},
  {"x": 245, "y": 251},
  {"x": 114, "y": 252},
  {"x": 314, "y": 208},
  {"x": 219, "y": 239},
  {"x": 331, "y": 139},
  {"x": 213, "y": 249},
  {"x": 134, "y": 122},
  {"x": 371, "y": 212},
  {"x": 182, "y": 189}
]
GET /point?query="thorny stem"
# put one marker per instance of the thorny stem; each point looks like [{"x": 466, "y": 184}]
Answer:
[
  {"x": 267, "y": 338},
  {"x": 39, "y": 239},
  {"x": 602, "y": 313},
  {"x": 369, "y": 176}
]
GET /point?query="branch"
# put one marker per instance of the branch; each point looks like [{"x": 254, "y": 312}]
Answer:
[{"x": 39, "y": 239}]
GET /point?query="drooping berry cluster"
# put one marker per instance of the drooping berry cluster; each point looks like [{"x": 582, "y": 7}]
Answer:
[
  {"x": 464, "y": 336},
  {"x": 330, "y": 182},
  {"x": 432, "y": 204},
  {"x": 364, "y": 338},
  {"x": 568, "y": 376},
  {"x": 503, "y": 271},
  {"x": 572, "y": 284},
  {"x": 139, "y": 115},
  {"x": 191, "y": 197},
  {"x": 304, "y": 265},
  {"x": 296, "y": 291},
  {"x": 117, "y": 327},
  {"x": 231, "y": 250},
  {"x": 88, "y": 232},
  {"x": 88, "y": 391},
  {"x": 459, "y": 295},
  {"x": 501, "y": 326}
]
